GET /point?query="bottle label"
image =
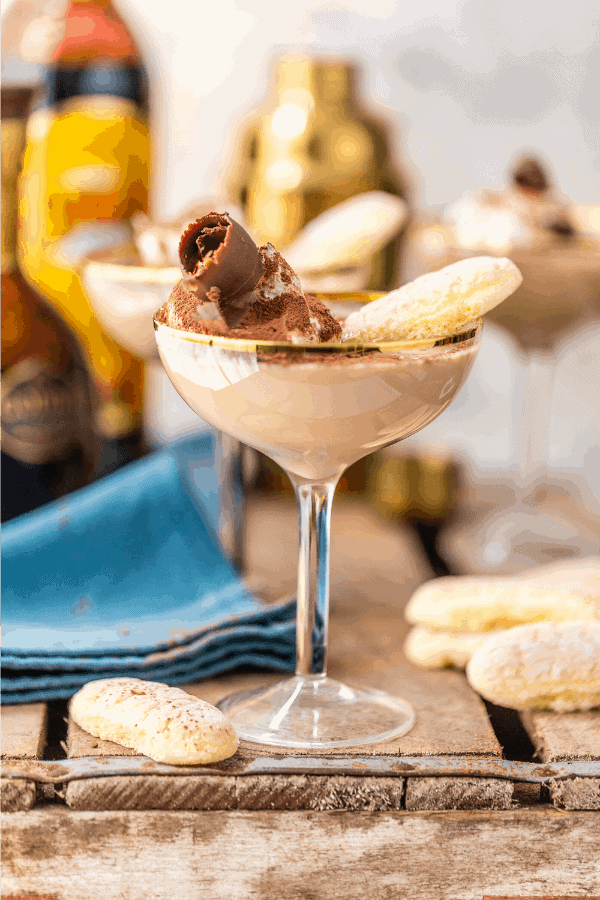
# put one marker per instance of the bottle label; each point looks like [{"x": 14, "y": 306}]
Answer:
[
  {"x": 42, "y": 407},
  {"x": 64, "y": 82}
]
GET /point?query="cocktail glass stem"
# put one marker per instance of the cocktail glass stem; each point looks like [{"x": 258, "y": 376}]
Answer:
[
  {"x": 524, "y": 535},
  {"x": 312, "y": 617},
  {"x": 311, "y": 710},
  {"x": 535, "y": 415},
  {"x": 228, "y": 465}
]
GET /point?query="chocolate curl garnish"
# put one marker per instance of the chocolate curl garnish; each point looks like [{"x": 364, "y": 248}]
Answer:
[
  {"x": 530, "y": 176},
  {"x": 221, "y": 265}
]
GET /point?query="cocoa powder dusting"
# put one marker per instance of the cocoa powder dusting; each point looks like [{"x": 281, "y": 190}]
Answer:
[{"x": 271, "y": 318}]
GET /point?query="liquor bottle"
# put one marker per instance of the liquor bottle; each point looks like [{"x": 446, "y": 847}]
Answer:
[
  {"x": 85, "y": 173},
  {"x": 312, "y": 147},
  {"x": 49, "y": 446},
  {"x": 420, "y": 490}
]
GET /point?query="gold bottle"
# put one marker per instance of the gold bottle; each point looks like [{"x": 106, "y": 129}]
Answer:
[
  {"x": 85, "y": 173},
  {"x": 311, "y": 148},
  {"x": 49, "y": 446}
]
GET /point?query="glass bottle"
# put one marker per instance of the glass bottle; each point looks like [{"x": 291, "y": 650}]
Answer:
[
  {"x": 312, "y": 147},
  {"x": 49, "y": 446},
  {"x": 85, "y": 173}
]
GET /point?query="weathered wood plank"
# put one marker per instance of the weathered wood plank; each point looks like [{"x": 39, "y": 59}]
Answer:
[
  {"x": 320, "y": 792},
  {"x": 16, "y": 794},
  {"x": 24, "y": 730},
  {"x": 576, "y": 793},
  {"x": 557, "y": 737},
  {"x": 80, "y": 743},
  {"x": 375, "y": 567},
  {"x": 119, "y": 792},
  {"x": 209, "y": 792},
  {"x": 300, "y": 855},
  {"x": 23, "y": 737},
  {"x": 451, "y": 719},
  {"x": 458, "y": 793}
]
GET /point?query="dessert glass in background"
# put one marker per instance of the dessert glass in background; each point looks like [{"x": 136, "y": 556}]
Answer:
[
  {"x": 315, "y": 409},
  {"x": 125, "y": 285},
  {"x": 559, "y": 260}
]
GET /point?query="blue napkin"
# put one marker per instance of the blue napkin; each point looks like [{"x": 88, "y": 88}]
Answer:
[{"x": 126, "y": 577}]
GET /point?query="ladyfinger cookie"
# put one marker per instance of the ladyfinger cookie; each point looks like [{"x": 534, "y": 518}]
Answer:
[
  {"x": 164, "y": 723},
  {"x": 579, "y": 575},
  {"x": 541, "y": 666},
  {"x": 436, "y": 304},
  {"x": 441, "y": 649},
  {"x": 473, "y": 604}
]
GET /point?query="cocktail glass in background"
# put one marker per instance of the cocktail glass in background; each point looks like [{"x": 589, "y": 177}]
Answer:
[
  {"x": 124, "y": 294},
  {"x": 315, "y": 409},
  {"x": 558, "y": 295}
]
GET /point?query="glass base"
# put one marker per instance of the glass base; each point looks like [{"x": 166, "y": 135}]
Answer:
[
  {"x": 312, "y": 711},
  {"x": 519, "y": 539}
]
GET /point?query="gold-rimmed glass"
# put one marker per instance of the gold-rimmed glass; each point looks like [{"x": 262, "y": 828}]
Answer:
[{"x": 315, "y": 409}]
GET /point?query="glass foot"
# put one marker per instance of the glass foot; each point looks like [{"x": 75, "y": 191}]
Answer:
[
  {"x": 315, "y": 711},
  {"x": 522, "y": 539}
]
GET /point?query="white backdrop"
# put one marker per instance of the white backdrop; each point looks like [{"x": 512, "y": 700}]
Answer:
[{"x": 465, "y": 85}]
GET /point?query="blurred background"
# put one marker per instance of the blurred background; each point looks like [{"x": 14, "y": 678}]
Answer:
[
  {"x": 463, "y": 86},
  {"x": 482, "y": 118}
]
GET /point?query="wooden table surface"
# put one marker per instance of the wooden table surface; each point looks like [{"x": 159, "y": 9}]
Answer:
[{"x": 224, "y": 835}]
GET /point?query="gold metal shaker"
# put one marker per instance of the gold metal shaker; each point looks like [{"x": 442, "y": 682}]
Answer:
[{"x": 310, "y": 148}]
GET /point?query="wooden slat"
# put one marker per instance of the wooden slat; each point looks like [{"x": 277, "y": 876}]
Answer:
[
  {"x": 451, "y": 719},
  {"x": 375, "y": 567},
  {"x": 558, "y": 737},
  {"x": 577, "y": 793},
  {"x": 565, "y": 736},
  {"x": 153, "y": 792},
  {"x": 17, "y": 794},
  {"x": 24, "y": 730},
  {"x": 263, "y": 856},
  {"x": 23, "y": 737},
  {"x": 458, "y": 793},
  {"x": 223, "y": 792},
  {"x": 80, "y": 744}
]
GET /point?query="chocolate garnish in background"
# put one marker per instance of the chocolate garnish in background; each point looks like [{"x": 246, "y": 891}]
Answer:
[
  {"x": 221, "y": 266},
  {"x": 529, "y": 174}
]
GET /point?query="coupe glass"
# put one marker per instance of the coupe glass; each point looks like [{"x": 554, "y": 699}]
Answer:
[
  {"x": 315, "y": 409},
  {"x": 558, "y": 295}
]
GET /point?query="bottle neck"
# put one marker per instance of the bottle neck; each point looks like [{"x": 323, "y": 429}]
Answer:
[
  {"x": 94, "y": 33},
  {"x": 96, "y": 57}
]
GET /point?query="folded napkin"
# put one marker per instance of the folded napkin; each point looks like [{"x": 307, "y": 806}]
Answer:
[{"x": 126, "y": 577}]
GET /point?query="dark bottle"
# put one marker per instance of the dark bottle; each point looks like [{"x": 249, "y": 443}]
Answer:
[{"x": 49, "y": 446}]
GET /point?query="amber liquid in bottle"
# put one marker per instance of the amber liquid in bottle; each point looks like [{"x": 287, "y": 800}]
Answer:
[
  {"x": 49, "y": 446},
  {"x": 85, "y": 173}
]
